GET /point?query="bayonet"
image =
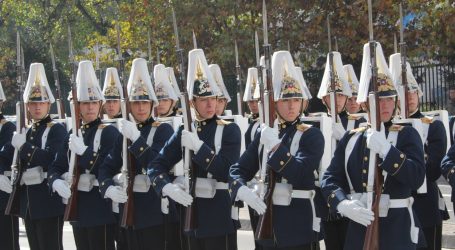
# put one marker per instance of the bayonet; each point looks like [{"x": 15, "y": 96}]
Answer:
[
  {"x": 264, "y": 23},
  {"x": 329, "y": 35},
  {"x": 256, "y": 46},
  {"x": 194, "y": 41}
]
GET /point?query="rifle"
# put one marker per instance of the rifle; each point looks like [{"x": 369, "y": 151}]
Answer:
[
  {"x": 371, "y": 241},
  {"x": 13, "y": 205},
  {"x": 333, "y": 96},
  {"x": 97, "y": 63},
  {"x": 264, "y": 230},
  {"x": 260, "y": 80},
  {"x": 239, "y": 82},
  {"x": 73, "y": 171},
  {"x": 129, "y": 166},
  {"x": 404, "y": 78},
  {"x": 189, "y": 170},
  {"x": 60, "y": 105}
]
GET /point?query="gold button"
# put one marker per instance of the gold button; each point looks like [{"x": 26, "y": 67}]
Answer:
[
  {"x": 395, "y": 165},
  {"x": 401, "y": 156},
  {"x": 199, "y": 129},
  {"x": 86, "y": 126},
  {"x": 204, "y": 123},
  {"x": 452, "y": 171},
  {"x": 31, "y": 138},
  {"x": 281, "y": 163},
  {"x": 91, "y": 162},
  {"x": 365, "y": 158},
  {"x": 235, "y": 183},
  {"x": 212, "y": 152},
  {"x": 288, "y": 154},
  {"x": 141, "y": 149},
  {"x": 332, "y": 195},
  {"x": 94, "y": 154},
  {"x": 33, "y": 146},
  {"x": 284, "y": 126},
  {"x": 140, "y": 125},
  {"x": 161, "y": 176},
  {"x": 28, "y": 154},
  {"x": 207, "y": 160},
  {"x": 364, "y": 184},
  {"x": 364, "y": 171}
]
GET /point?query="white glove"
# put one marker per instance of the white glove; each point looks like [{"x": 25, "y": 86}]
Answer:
[
  {"x": 250, "y": 197},
  {"x": 129, "y": 130},
  {"x": 175, "y": 192},
  {"x": 337, "y": 131},
  {"x": 61, "y": 187},
  {"x": 5, "y": 184},
  {"x": 18, "y": 139},
  {"x": 191, "y": 141},
  {"x": 76, "y": 144},
  {"x": 377, "y": 142},
  {"x": 65, "y": 176},
  {"x": 269, "y": 137},
  {"x": 180, "y": 180},
  {"x": 355, "y": 210},
  {"x": 116, "y": 194}
]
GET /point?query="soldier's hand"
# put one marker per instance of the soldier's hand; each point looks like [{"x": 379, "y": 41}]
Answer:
[
  {"x": 180, "y": 180},
  {"x": 76, "y": 144},
  {"x": 377, "y": 142},
  {"x": 62, "y": 188},
  {"x": 129, "y": 130},
  {"x": 191, "y": 141},
  {"x": 116, "y": 194},
  {"x": 269, "y": 137},
  {"x": 18, "y": 139},
  {"x": 5, "y": 184},
  {"x": 337, "y": 131},
  {"x": 354, "y": 210},
  {"x": 250, "y": 197},
  {"x": 175, "y": 192}
]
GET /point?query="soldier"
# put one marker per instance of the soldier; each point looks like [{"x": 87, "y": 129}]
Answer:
[
  {"x": 350, "y": 177},
  {"x": 426, "y": 205},
  {"x": 94, "y": 226},
  {"x": 147, "y": 137},
  {"x": 41, "y": 210},
  {"x": 223, "y": 98},
  {"x": 167, "y": 97},
  {"x": 251, "y": 96},
  {"x": 112, "y": 91},
  {"x": 9, "y": 224},
  {"x": 216, "y": 145},
  {"x": 294, "y": 150},
  {"x": 352, "y": 106}
]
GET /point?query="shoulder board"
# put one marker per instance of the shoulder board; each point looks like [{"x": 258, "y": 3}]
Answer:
[
  {"x": 222, "y": 122},
  {"x": 354, "y": 117},
  {"x": 156, "y": 124},
  {"x": 396, "y": 127},
  {"x": 101, "y": 126},
  {"x": 50, "y": 124},
  {"x": 303, "y": 127},
  {"x": 427, "y": 119},
  {"x": 359, "y": 129}
]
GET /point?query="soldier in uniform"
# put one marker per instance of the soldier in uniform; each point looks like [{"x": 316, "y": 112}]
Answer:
[
  {"x": 112, "y": 91},
  {"x": 167, "y": 97},
  {"x": 41, "y": 210},
  {"x": 216, "y": 146},
  {"x": 426, "y": 205},
  {"x": 147, "y": 137},
  {"x": 223, "y": 97},
  {"x": 352, "y": 106},
  {"x": 251, "y": 97},
  {"x": 95, "y": 223},
  {"x": 349, "y": 177},
  {"x": 293, "y": 151},
  {"x": 9, "y": 224}
]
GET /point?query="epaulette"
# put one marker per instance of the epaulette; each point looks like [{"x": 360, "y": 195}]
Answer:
[
  {"x": 156, "y": 124},
  {"x": 303, "y": 127},
  {"x": 427, "y": 119},
  {"x": 101, "y": 126},
  {"x": 359, "y": 129},
  {"x": 50, "y": 124},
  {"x": 354, "y": 117},
  {"x": 222, "y": 122},
  {"x": 396, "y": 127}
]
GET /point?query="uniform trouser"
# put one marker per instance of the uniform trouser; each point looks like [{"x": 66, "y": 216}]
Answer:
[
  {"x": 9, "y": 228},
  {"x": 254, "y": 217},
  {"x": 335, "y": 233},
  {"x": 433, "y": 237},
  {"x": 142, "y": 239},
  {"x": 302, "y": 247},
  {"x": 44, "y": 234},
  {"x": 95, "y": 238},
  {"x": 224, "y": 242},
  {"x": 120, "y": 236}
]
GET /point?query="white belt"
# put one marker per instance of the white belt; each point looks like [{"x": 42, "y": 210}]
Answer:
[
  {"x": 396, "y": 203},
  {"x": 309, "y": 194},
  {"x": 222, "y": 185},
  {"x": 7, "y": 173}
]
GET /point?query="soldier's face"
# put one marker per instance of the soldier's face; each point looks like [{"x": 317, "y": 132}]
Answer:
[
  {"x": 289, "y": 109},
  {"x": 38, "y": 110},
  {"x": 386, "y": 107},
  {"x": 112, "y": 108},
  {"x": 413, "y": 101},
  {"x": 340, "y": 102},
  {"x": 352, "y": 106},
  {"x": 141, "y": 110},
  {"x": 205, "y": 106},
  {"x": 253, "y": 106},
  {"x": 164, "y": 105},
  {"x": 89, "y": 111},
  {"x": 220, "y": 106}
]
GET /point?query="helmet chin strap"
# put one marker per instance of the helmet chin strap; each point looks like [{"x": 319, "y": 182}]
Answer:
[
  {"x": 170, "y": 110},
  {"x": 302, "y": 109}
]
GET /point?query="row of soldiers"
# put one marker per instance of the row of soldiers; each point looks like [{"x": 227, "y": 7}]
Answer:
[{"x": 321, "y": 162}]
